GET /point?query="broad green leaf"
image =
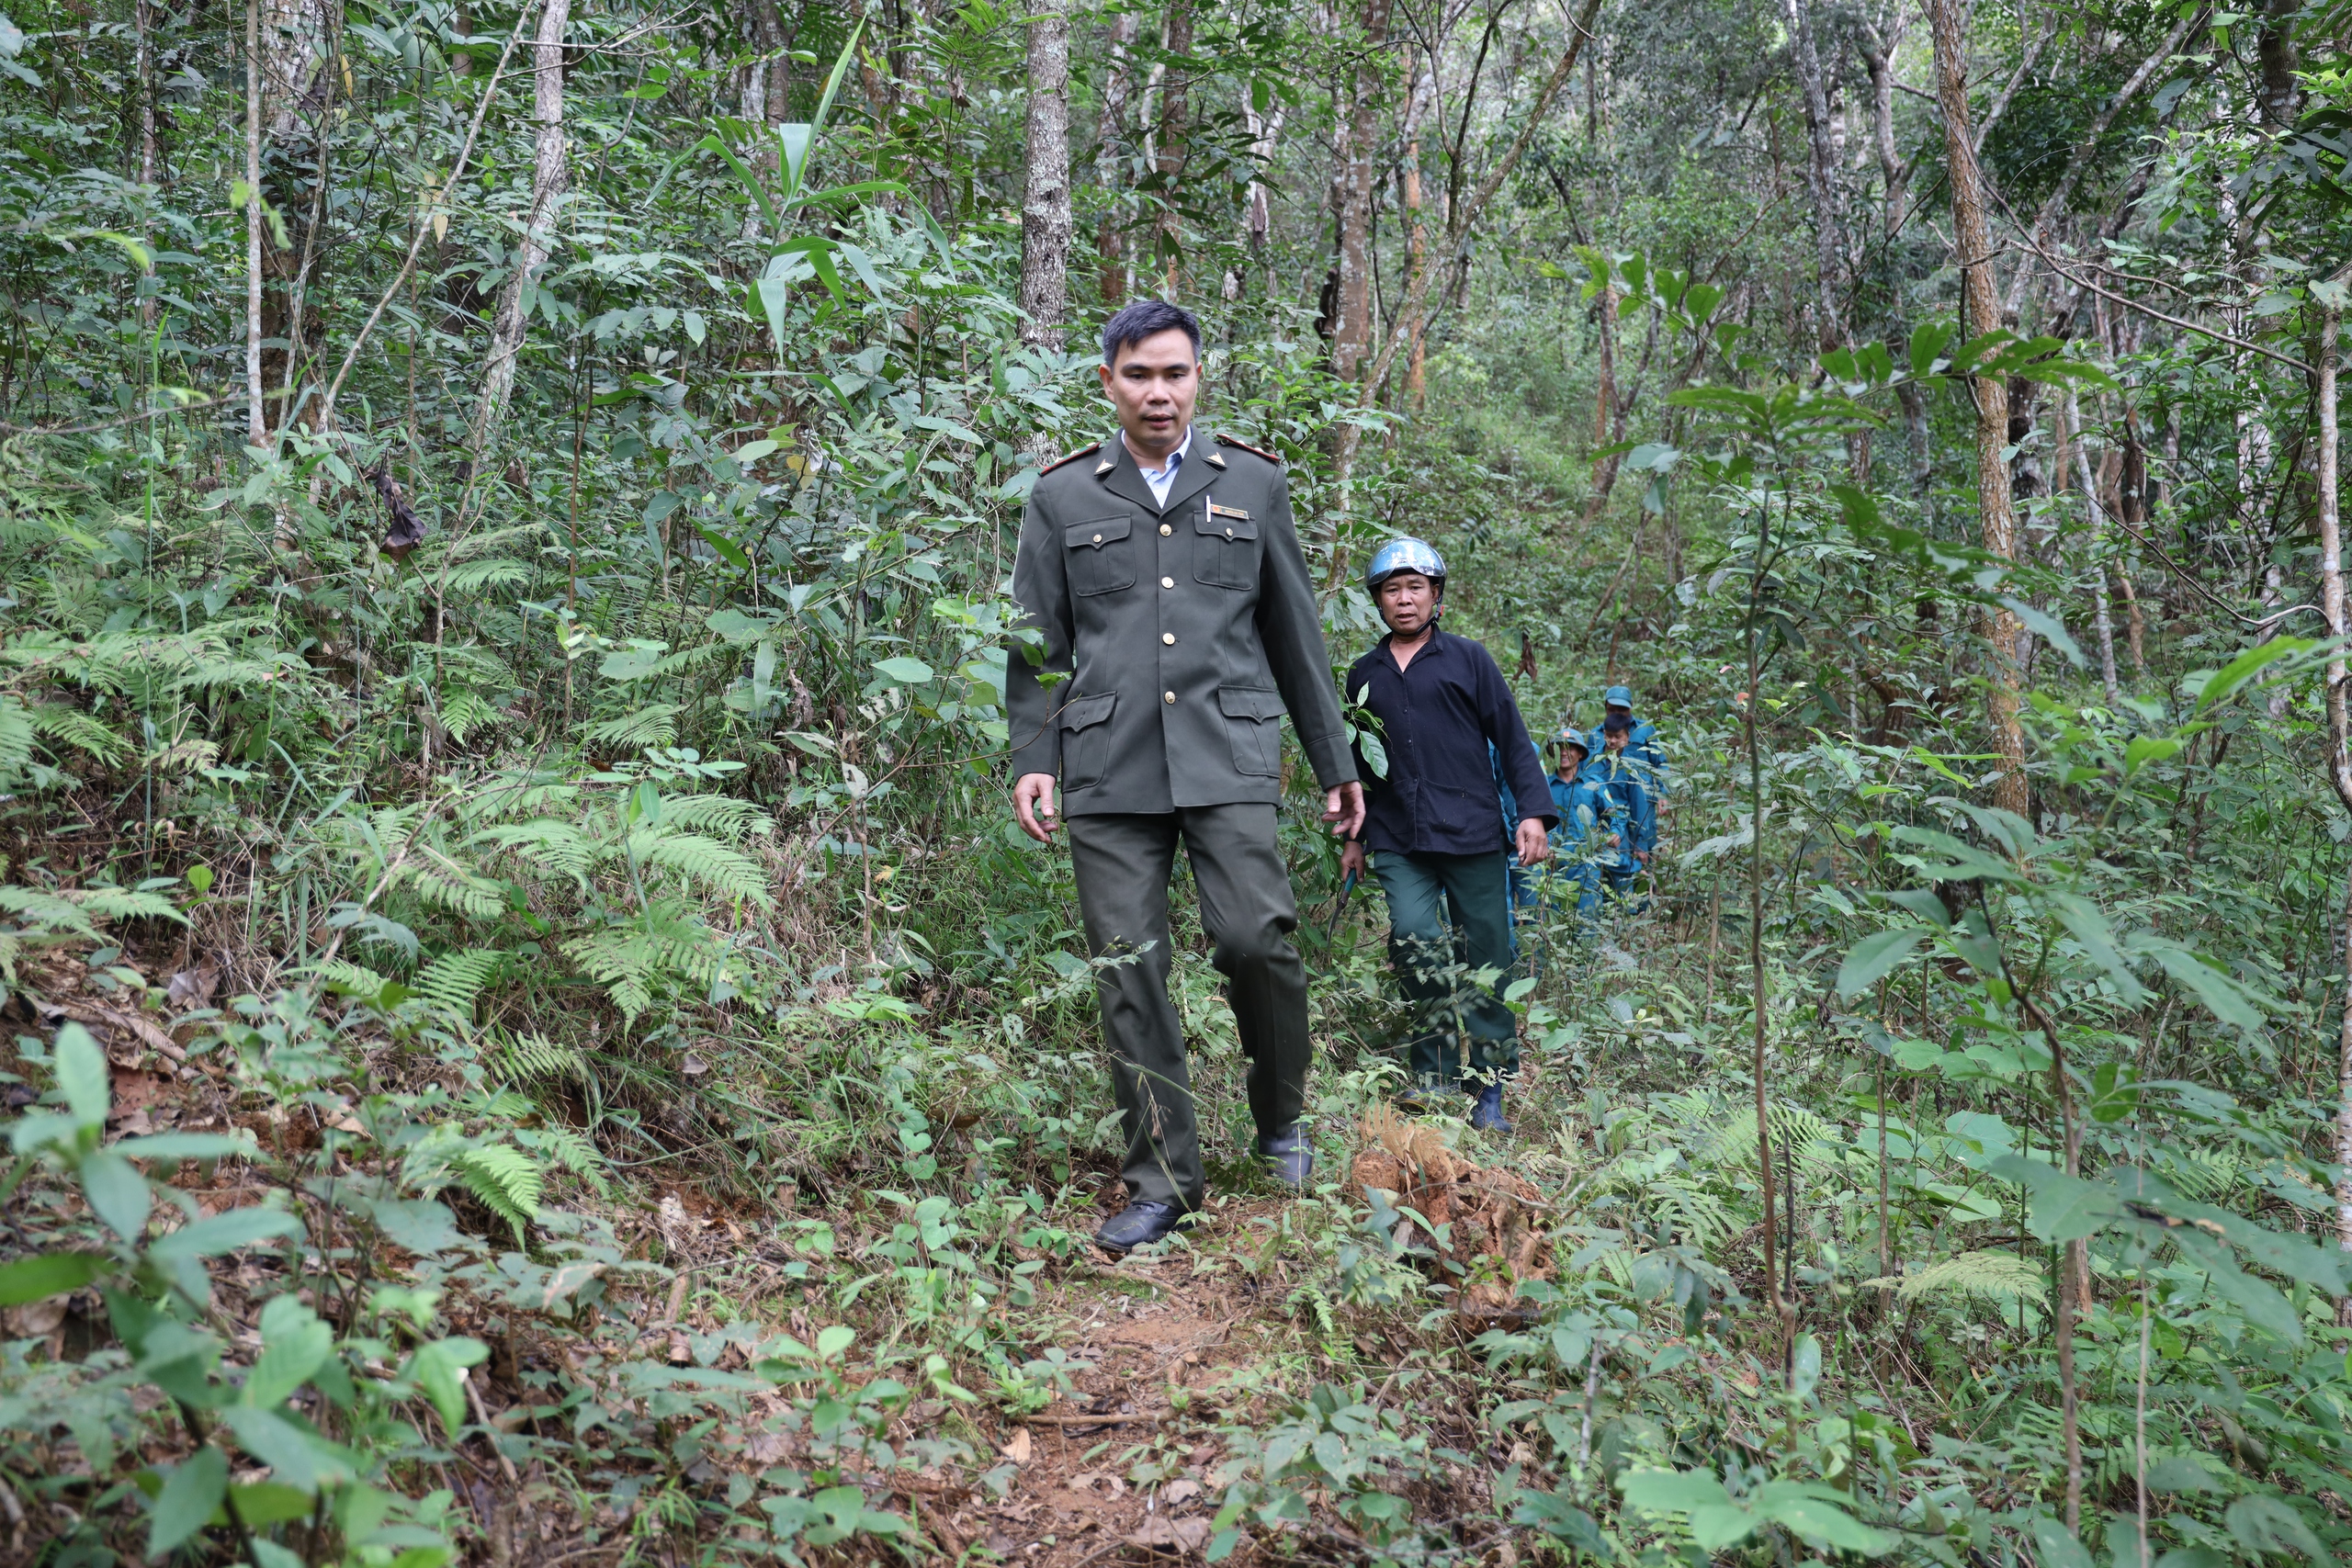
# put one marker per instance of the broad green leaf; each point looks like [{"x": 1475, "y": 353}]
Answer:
[
  {"x": 905, "y": 672},
  {"x": 185, "y": 1145},
  {"x": 294, "y": 1456},
  {"x": 1819, "y": 1517},
  {"x": 2259, "y": 1300},
  {"x": 47, "y": 1274},
  {"x": 2058, "y": 1546},
  {"x": 117, "y": 1193},
  {"x": 2046, "y": 627},
  {"x": 82, "y": 1074},
  {"x": 1672, "y": 1491},
  {"x": 437, "y": 1368},
  {"x": 269, "y": 1503},
  {"x": 2088, "y": 927},
  {"x": 832, "y": 1341},
  {"x": 728, "y": 550},
  {"x": 294, "y": 1343},
  {"x": 225, "y": 1232},
  {"x": 2264, "y": 1524},
  {"x": 2245, "y": 667},
  {"x": 1875, "y": 957},
  {"x": 191, "y": 1491}
]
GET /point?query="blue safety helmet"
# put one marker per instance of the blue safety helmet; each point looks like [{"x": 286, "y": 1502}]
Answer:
[
  {"x": 1571, "y": 735},
  {"x": 1404, "y": 555},
  {"x": 1617, "y": 697}
]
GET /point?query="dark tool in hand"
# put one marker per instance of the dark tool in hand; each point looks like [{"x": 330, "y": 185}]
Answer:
[{"x": 1345, "y": 888}]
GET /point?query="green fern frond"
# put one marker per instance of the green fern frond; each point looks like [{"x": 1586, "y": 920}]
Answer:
[
  {"x": 654, "y": 725},
  {"x": 450, "y": 887},
  {"x": 15, "y": 734},
  {"x": 722, "y": 814},
  {"x": 544, "y": 843},
  {"x": 450, "y": 984},
  {"x": 464, "y": 712},
  {"x": 46, "y": 914},
  {"x": 475, "y": 576},
  {"x": 530, "y": 1056},
  {"x": 505, "y": 1178},
  {"x": 704, "y": 861},
  {"x": 76, "y": 730},
  {"x": 125, "y": 903},
  {"x": 353, "y": 979},
  {"x": 1732, "y": 1143},
  {"x": 1999, "y": 1276},
  {"x": 574, "y": 1151}
]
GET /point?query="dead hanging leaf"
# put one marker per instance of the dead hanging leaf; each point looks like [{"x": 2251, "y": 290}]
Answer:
[
  {"x": 34, "y": 1319},
  {"x": 407, "y": 530},
  {"x": 1020, "y": 1448},
  {"x": 1165, "y": 1534},
  {"x": 193, "y": 987}
]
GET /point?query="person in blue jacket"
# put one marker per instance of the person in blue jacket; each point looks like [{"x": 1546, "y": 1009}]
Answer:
[
  {"x": 1627, "y": 781},
  {"x": 1642, "y": 744},
  {"x": 1585, "y": 831},
  {"x": 1433, "y": 828}
]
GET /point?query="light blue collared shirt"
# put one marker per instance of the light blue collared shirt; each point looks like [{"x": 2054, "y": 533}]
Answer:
[{"x": 1161, "y": 479}]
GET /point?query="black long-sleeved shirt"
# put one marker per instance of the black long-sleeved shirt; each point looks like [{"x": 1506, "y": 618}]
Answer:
[{"x": 1437, "y": 717}]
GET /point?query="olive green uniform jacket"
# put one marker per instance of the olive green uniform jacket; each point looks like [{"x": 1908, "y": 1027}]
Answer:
[{"x": 1187, "y": 628}]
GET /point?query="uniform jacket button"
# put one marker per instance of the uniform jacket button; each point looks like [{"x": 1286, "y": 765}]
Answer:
[
  {"x": 1167, "y": 697},
  {"x": 1165, "y": 530},
  {"x": 1167, "y": 637},
  {"x": 1168, "y": 582}
]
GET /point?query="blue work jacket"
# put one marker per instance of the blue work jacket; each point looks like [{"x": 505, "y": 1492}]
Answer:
[
  {"x": 1585, "y": 813},
  {"x": 1437, "y": 718},
  {"x": 1644, "y": 746},
  {"x": 1626, "y": 780}
]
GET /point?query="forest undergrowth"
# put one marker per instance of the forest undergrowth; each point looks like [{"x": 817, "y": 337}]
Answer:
[{"x": 534, "y": 1038}]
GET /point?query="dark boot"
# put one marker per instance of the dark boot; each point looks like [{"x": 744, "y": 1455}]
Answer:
[
  {"x": 1486, "y": 1111},
  {"x": 1287, "y": 1156},
  {"x": 1138, "y": 1224}
]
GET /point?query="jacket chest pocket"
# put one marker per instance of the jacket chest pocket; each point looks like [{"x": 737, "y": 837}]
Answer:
[
  {"x": 1099, "y": 554},
  {"x": 1225, "y": 550}
]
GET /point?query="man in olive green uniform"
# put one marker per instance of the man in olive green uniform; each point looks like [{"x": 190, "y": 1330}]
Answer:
[{"x": 1177, "y": 625}]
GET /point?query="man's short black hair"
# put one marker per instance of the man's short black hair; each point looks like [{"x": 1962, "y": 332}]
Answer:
[
  {"x": 1616, "y": 723},
  {"x": 1141, "y": 320}
]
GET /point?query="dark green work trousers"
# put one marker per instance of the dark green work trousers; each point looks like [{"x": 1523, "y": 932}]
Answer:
[
  {"x": 1451, "y": 1006},
  {"x": 1123, "y": 864}
]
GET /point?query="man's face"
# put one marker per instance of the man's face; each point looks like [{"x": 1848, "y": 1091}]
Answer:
[
  {"x": 1154, "y": 385},
  {"x": 1407, "y": 600},
  {"x": 1615, "y": 739},
  {"x": 1571, "y": 759}
]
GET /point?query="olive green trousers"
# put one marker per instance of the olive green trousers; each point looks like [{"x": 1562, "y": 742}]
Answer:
[{"x": 1123, "y": 863}]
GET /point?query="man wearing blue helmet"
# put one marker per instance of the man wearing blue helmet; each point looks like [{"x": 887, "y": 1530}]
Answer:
[
  {"x": 1642, "y": 744},
  {"x": 1446, "y": 716}
]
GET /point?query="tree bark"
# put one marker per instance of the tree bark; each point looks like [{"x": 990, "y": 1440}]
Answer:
[
  {"x": 1878, "y": 60},
  {"x": 1417, "y": 235},
  {"x": 550, "y": 177},
  {"x": 1044, "y": 211},
  {"x": 1996, "y": 516},
  {"x": 257, "y": 416},
  {"x": 2095, "y": 509},
  {"x": 1175, "y": 107},
  {"x": 1352, "y": 323},
  {"x": 143, "y": 21},
  {"x": 1821, "y": 175},
  {"x": 1117, "y": 83},
  {"x": 2339, "y": 736}
]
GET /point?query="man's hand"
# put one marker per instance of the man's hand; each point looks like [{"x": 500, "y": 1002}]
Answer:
[
  {"x": 1352, "y": 859},
  {"x": 1535, "y": 846},
  {"x": 1033, "y": 802},
  {"x": 1343, "y": 809},
  {"x": 1642, "y": 856}
]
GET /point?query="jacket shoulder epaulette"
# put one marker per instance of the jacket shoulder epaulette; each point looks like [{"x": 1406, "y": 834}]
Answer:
[
  {"x": 1086, "y": 451},
  {"x": 1225, "y": 440}
]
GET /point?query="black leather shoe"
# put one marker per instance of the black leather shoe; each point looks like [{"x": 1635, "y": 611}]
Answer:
[
  {"x": 1138, "y": 1224},
  {"x": 1287, "y": 1156}
]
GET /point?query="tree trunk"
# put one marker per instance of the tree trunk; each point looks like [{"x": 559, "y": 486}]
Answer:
[
  {"x": 1045, "y": 212},
  {"x": 2339, "y": 736},
  {"x": 2096, "y": 511},
  {"x": 1258, "y": 213},
  {"x": 1878, "y": 59},
  {"x": 1110, "y": 243},
  {"x": 550, "y": 177},
  {"x": 143, "y": 20},
  {"x": 1998, "y": 517},
  {"x": 1417, "y": 236},
  {"x": 1821, "y": 175},
  {"x": 1174, "y": 111},
  {"x": 1354, "y": 186},
  {"x": 256, "y": 417}
]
